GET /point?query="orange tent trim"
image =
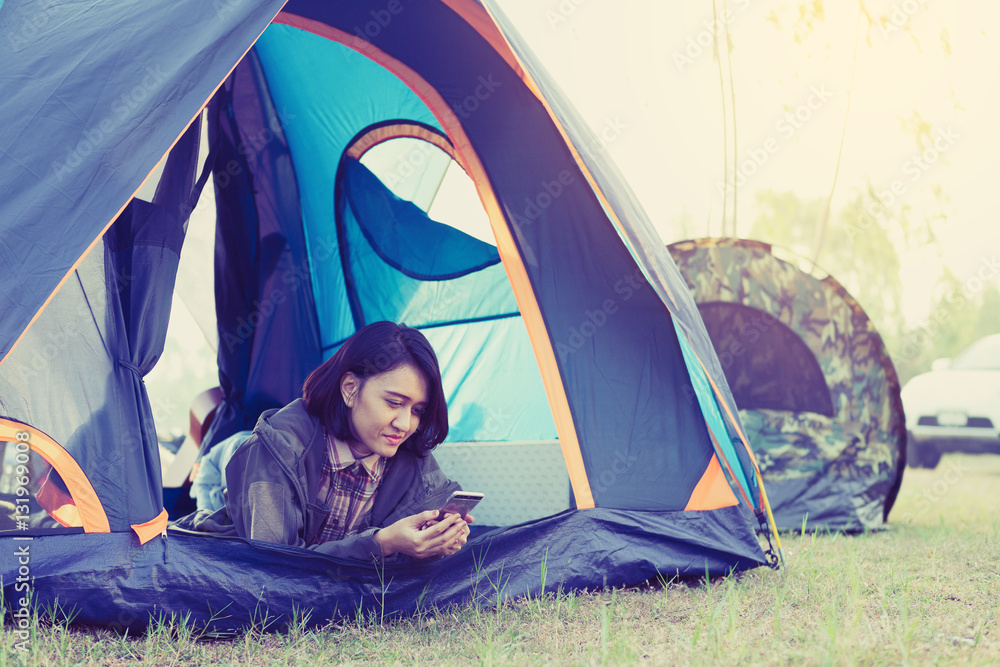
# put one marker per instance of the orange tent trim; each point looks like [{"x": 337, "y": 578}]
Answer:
[
  {"x": 712, "y": 491},
  {"x": 91, "y": 512},
  {"x": 152, "y": 528}
]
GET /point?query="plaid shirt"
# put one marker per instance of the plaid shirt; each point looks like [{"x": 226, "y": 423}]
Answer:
[{"x": 348, "y": 489}]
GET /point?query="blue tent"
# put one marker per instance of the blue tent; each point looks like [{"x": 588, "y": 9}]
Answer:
[{"x": 571, "y": 321}]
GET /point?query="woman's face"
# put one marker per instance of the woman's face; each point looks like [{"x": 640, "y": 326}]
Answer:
[{"x": 385, "y": 409}]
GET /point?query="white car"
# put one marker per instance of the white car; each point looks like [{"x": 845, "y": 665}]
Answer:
[{"x": 956, "y": 406}]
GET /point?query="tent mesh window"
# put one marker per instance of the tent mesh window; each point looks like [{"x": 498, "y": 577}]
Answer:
[
  {"x": 33, "y": 497},
  {"x": 768, "y": 366}
]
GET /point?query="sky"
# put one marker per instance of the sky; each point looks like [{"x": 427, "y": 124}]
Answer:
[{"x": 649, "y": 66}]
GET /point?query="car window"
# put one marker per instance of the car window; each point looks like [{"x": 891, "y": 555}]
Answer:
[{"x": 982, "y": 355}]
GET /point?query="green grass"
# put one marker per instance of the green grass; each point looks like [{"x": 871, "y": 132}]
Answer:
[{"x": 924, "y": 591}]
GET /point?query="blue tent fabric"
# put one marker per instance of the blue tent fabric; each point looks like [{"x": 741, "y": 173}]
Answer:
[
  {"x": 167, "y": 576},
  {"x": 329, "y": 105},
  {"x": 492, "y": 402},
  {"x": 70, "y": 150},
  {"x": 703, "y": 394},
  {"x": 396, "y": 259},
  {"x": 405, "y": 238},
  {"x": 266, "y": 316},
  {"x": 301, "y": 260}
]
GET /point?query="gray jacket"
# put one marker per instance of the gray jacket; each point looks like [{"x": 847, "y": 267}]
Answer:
[{"x": 273, "y": 480}]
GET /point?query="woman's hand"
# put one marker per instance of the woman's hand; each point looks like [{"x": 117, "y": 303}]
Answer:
[{"x": 443, "y": 537}]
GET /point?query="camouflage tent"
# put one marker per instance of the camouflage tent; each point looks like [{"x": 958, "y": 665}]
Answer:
[{"x": 816, "y": 389}]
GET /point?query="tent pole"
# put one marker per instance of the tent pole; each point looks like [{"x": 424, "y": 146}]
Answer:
[{"x": 770, "y": 516}]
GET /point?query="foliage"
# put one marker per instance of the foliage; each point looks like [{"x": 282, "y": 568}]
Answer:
[
  {"x": 961, "y": 314},
  {"x": 859, "y": 251}
]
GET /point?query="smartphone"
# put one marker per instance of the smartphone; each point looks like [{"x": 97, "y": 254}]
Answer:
[{"x": 461, "y": 502}]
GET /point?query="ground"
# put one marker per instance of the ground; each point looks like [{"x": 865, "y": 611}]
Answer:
[{"x": 926, "y": 590}]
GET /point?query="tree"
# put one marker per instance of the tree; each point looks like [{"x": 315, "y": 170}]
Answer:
[
  {"x": 961, "y": 313},
  {"x": 860, "y": 252}
]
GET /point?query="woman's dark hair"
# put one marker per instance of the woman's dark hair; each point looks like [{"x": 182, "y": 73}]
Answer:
[{"x": 378, "y": 348}]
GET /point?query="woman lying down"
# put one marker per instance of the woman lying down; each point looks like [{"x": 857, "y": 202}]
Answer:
[{"x": 346, "y": 469}]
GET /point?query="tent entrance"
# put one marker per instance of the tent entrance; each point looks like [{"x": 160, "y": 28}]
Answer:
[{"x": 768, "y": 366}]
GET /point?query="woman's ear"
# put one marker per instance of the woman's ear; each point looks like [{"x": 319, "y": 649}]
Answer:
[{"x": 350, "y": 386}]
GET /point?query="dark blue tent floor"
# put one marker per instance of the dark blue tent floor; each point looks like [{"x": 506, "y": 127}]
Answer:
[{"x": 228, "y": 584}]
